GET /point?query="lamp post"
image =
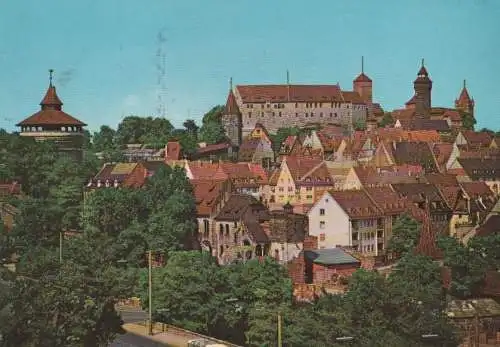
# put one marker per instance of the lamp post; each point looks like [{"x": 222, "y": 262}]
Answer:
[{"x": 150, "y": 293}]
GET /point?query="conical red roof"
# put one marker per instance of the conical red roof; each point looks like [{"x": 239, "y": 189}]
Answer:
[
  {"x": 51, "y": 100},
  {"x": 231, "y": 104}
]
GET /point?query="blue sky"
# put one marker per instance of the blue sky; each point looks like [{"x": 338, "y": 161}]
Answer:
[{"x": 104, "y": 52}]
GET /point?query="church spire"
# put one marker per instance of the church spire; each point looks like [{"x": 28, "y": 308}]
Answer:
[
  {"x": 362, "y": 64},
  {"x": 230, "y": 83}
]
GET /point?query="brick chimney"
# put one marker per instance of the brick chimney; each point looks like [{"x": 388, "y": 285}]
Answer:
[{"x": 310, "y": 243}]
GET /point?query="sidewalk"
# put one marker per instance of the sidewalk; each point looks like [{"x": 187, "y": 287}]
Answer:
[{"x": 169, "y": 338}]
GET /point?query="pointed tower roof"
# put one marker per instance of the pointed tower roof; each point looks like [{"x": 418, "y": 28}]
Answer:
[
  {"x": 464, "y": 97},
  {"x": 51, "y": 111},
  {"x": 422, "y": 74},
  {"x": 231, "y": 104},
  {"x": 362, "y": 77}
]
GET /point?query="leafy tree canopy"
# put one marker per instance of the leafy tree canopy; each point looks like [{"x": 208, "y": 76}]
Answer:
[{"x": 405, "y": 235}]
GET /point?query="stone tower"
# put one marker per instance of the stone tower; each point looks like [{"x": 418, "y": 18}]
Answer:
[
  {"x": 52, "y": 124},
  {"x": 231, "y": 119},
  {"x": 423, "y": 87},
  {"x": 363, "y": 85},
  {"x": 464, "y": 102}
]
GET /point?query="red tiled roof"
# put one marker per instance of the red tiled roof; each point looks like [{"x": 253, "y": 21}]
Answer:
[
  {"x": 387, "y": 200},
  {"x": 442, "y": 152},
  {"x": 297, "y": 93},
  {"x": 213, "y": 148},
  {"x": 299, "y": 167},
  {"x": 356, "y": 204},
  {"x": 423, "y": 71},
  {"x": 453, "y": 115},
  {"x": 231, "y": 104},
  {"x": 203, "y": 170},
  {"x": 207, "y": 194},
  {"x": 482, "y": 139},
  {"x": 362, "y": 78},
  {"x": 51, "y": 112}
]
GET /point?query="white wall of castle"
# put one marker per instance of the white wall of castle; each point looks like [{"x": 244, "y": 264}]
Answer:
[{"x": 297, "y": 114}]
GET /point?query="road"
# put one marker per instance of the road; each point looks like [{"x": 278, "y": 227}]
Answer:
[{"x": 132, "y": 340}]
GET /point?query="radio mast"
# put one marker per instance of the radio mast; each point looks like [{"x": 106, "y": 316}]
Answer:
[{"x": 161, "y": 61}]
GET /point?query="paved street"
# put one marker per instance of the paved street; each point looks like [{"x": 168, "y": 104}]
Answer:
[{"x": 132, "y": 340}]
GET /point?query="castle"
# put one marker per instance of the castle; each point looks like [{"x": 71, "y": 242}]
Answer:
[{"x": 292, "y": 105}]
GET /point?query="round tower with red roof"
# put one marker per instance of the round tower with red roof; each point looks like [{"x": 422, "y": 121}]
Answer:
[
  {"x": 423, "y": 88},
  {"x": 52, "y": 124}
]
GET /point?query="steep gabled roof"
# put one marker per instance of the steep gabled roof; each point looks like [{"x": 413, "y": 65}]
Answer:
[
  {"x": 231, "y": 104},
  {"x": 295, "y": 93}
]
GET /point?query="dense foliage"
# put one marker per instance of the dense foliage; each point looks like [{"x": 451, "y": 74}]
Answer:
[{"x": 242, "y": 302}]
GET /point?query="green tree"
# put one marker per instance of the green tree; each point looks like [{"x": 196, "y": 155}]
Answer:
[
  {"x": 211, "y": 130},
  {"x": 133, "y": 129},
  {"x": 191, "y": 127},
  {"x": 68, "y": 304},
  {"x": 197, "y": 274},
  {"x": 470, "y": 262},
  {"x": 360, "y": 125},
  {"x": 468, "y": 121},
  {"x": 405, "y": 235},
  {"x": 212, "y": 133},
  {"x": 104, "y": 140},
  {"x": 386, "y": 120}
]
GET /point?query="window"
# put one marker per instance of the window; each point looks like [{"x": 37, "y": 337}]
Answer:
[
  {"x": 322, "y": 224},
  {"x": 309, "y": 197},
  {"x": 322, "y": 237},
  {"x": 249, "y": 114},
  {"x": 290, "y": 189},
  {"x": 354, "y": 236},
  {"x": 321, "y": 211},
  {"x": 281, "y": 189},
  {"x": 279, "y": 113},
  {"x": 309, "y": 189}
]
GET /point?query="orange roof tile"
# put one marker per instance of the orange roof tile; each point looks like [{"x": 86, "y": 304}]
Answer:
[
  {"x": 297, "y": 93},
  {"x": 356, "y": 204},
  {"x": 362, "y": 78}
]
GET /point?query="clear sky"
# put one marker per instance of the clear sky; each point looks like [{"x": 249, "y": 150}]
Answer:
[{"x": 104, "y": 52}]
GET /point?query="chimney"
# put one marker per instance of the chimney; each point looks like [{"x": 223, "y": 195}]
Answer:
[{"x": 288, "y": 208}]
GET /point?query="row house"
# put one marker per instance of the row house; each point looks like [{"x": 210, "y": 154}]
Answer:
[
  {"x": 298, "y": 181},
  {"x": 219, "y": 151},
  {"x": 361, "y": 219},
  {"x": 210, "y": 197},
  {"x": 347, "y": 218},
  {"x": 478, "y": 169},
  {"x": 406, "y": 153},
  {"x": 473, "y": 140},
  {"x": 246, "y": 229},
  {"x": 141, "y": 152},
  {"x": 427, "y": 196},
  {"x": 257, "y": 151},
  {"x": 130, "y": 175}
]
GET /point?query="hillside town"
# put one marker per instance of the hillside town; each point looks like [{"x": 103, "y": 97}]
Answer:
[{"x": 319, "y": 180}]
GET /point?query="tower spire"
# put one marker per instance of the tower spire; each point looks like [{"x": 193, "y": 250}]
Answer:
[
  {"x": 287, "y": 76},
  {"x": 362, "y": 64},
  {"x": 230, "y": 83},
  {"x": 422, "y": 62},
  {"x": 465, "y": 84},
  {"x": 51, "y": 71}
]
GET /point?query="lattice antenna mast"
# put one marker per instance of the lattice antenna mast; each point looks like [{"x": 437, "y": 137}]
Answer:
[{"x": 161, "y": 62}]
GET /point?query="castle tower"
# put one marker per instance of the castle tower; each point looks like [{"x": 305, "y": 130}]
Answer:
[
  {"x": 363, "y": 85},
  {"x": 52, "y": 124},
  {"x": 464, "y": 102},
  {"x": 422, "y": 86},
  {"x": 231, "y": 119}
]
